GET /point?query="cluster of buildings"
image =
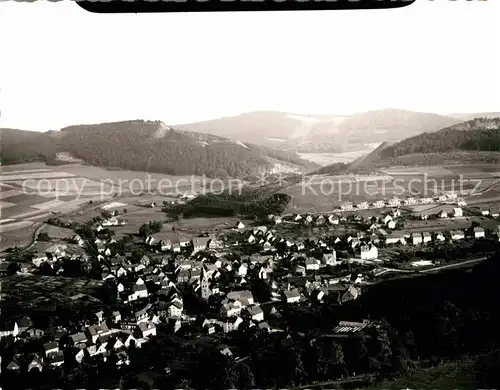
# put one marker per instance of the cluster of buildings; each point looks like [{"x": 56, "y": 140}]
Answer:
[
  {"x": 448, "y": 197},
  {"x": 107, "y": 335},
  {"x": 150, "y": 289}
]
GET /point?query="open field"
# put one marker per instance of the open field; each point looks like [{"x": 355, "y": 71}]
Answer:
[
  {"x": 24, "y": 292},
  {"x": 32, "y": 192},
  {"x": 4, "y": 205},
  {"x": 45, "y": 190},
  {"x": 14, "y": 226},
  {"x": 210, "y": 225},
  {"x": 57, "y": 232},
  {"x": 433, "y": 208},
  {"x": 195, "y": 226},
  {"x": 17, "y": 233},
  {"x": 113, "y": 205},
  {"x": 434, "y": 171},
  {"x": 418, "y": 226},
  {"x": 132, "y": 181},
  {"x": 324, "y": 159},
  {"x": 322, "y": 193},
  {"x": 426, "y": 208},
  {"x": 138, "y": 217},
  {"x": 455, "y": 375}
]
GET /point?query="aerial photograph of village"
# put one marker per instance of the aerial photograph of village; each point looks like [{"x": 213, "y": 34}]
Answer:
[{"x": 259, "y": 250}]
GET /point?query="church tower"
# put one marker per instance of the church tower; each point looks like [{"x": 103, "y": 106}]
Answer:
[{"x": 204, "y": 285}]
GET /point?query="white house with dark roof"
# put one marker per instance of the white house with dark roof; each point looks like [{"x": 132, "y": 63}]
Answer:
[
  {"x": 110, "y": 222},
  {"x": 96, "y": 331},
  {"x": 394, "y": 202},
  {"x": 363, "y": 205},
  {"x": 146, "y": 329},
  {"x": 265, "y": 272},
  {"x": 78, "y": 339},
  {"x": 387, "y": 218},
  {"x": 479, "y": 232},
  {"x": 330, "y": 258},
  {"x": 243, "y": 269},
  {"x": 416, "y": 238},
  {"x": 255, "y": 313},
  {"x": 165, "y": 245},
  {"x": 395, "y": 238},
  {"x": 291, "y": 296},
  {"x": 51, "y": 348},
  {"x": 200, "y": 243},
  {"x": 9, "y": 328},
  {"x": 410, "y": 201},
  {"x": 346, "y": 206},
  {"x": 175, "y": 309},
  {"x": 312, "y": 264}
]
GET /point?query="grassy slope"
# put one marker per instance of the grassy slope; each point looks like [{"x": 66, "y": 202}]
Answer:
[{"x": 454, "y": 375}]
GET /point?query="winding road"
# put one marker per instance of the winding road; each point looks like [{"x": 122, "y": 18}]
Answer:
[{"x": 350, "y": 379}]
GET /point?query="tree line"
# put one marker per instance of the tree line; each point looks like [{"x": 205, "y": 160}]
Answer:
[
  {"x": 480, "y": 134},
  {"x": 139, "y": 146},
  {"x": 249, "y": 203}
]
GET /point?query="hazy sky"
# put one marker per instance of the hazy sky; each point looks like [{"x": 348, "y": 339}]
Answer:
[{"x": 61, "y": 65}]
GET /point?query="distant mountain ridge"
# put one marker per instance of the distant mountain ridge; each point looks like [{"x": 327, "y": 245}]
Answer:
[
  {"x": 468, "y": 117},
  {"x": 140, "y": 145},
  {"x": 468, "y": 141},
  {"x": 322, "y": 133}
]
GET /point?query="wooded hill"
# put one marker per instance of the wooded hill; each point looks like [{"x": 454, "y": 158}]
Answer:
[
  {"x": 141, "y": 145},
  {"x": 473, "y": 141},
  {"x": 482, "y": 134},
  {"x": 323, "y": 133}
]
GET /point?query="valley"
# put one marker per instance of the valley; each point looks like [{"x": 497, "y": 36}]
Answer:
[
  {"x": 266, "y": 246},
  {"x": 324, "y": 159}
]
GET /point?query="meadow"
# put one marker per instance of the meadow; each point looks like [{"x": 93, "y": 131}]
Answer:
[
  {"x": 324, "y": 159},
  {"x": 419, "y": 226},
  {"x": 322, "y": 193},
  {"x": 453, "y": 375},
  {"x": 35, "y": 191}
]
